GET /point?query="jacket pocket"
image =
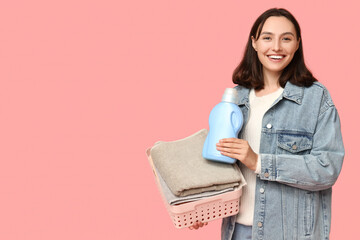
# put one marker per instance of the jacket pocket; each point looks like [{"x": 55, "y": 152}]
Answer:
[{"x": 294, "y": 142}]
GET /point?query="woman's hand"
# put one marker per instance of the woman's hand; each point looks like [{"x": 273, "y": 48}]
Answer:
[
  {"x": 197, "y": 225},
  {"x": 238, "y": 149}
]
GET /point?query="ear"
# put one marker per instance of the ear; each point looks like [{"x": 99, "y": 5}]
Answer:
[{"x": 253, "y": 43}]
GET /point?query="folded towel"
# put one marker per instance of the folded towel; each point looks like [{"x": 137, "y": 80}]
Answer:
[
  {"x": 186, "y": 172},
  {"x": 171, "y": 199}
]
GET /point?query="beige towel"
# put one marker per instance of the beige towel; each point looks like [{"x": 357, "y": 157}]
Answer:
[{"x": 186, "y": 172}]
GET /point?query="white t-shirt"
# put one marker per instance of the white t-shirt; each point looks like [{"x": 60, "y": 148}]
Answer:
[{"x": 252, "y": 134}]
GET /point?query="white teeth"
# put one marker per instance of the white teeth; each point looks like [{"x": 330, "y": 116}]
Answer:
[{"x": 275, "y": 57}]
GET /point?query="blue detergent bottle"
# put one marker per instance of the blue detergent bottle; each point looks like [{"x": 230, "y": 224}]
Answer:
[{"x": 225, "y": 121}]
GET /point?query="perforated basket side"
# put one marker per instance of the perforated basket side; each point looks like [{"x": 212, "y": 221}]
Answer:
[
  {"x": 205, "y": 213},
  {"x": 204, "y": 210}
]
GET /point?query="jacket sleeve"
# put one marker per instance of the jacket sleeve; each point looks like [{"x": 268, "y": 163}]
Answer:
[{"x": 317, "y": 170}]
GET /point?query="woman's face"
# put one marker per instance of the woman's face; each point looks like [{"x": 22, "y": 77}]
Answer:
[{"x": 276, "y": 45}]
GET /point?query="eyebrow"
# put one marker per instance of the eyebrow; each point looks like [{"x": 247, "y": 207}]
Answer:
[{"x": 270, "y": 33}]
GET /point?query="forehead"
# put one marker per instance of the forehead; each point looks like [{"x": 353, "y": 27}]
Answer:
[{"x": 278, "y": 25}]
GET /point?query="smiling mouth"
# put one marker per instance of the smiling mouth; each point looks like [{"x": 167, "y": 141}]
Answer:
[{"x": 276, "y": 57}]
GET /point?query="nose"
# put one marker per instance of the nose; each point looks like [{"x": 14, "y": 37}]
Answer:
[{"x": 277, "y": 45}]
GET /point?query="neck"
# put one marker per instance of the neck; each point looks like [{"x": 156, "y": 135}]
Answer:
[
  {"x": 271, "y": 83},
  {"x": 271, "y": 80}
]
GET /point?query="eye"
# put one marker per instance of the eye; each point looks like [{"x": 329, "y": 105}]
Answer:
[
  {"x": 286, "y": 38},
  {"x": 266, "y": 38}
]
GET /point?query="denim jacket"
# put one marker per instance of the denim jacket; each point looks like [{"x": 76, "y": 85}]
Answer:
[{"x": 301, "y": 152}]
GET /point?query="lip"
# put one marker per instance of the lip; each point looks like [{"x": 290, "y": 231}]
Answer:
[{"x": 274, "y": 59}]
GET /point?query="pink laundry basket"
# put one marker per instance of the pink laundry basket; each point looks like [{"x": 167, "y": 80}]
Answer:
[{"x": 204, "y": 210}]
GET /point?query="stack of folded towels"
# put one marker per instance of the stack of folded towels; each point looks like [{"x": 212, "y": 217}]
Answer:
[{"x": 185, "y": 176}]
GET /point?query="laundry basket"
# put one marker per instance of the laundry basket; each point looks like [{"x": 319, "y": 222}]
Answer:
[{"x": 203, "y": 210}]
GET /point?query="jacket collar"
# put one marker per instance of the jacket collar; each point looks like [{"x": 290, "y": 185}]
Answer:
[
  {"x": 244, "y": 95},
  {"x": 291, "y": 92}
]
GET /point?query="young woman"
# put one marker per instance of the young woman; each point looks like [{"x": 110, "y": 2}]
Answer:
[{"x": 290, "y": 149}]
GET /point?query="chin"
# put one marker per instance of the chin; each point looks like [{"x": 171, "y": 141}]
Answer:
[{"x": 274, "y": 70}]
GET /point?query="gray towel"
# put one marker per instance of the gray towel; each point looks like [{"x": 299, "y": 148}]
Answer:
[
  {"x": 171, "y": 199},
  {"x": 185, "y": 171}
]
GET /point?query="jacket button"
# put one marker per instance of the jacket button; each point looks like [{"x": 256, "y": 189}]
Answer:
[
  {"x": 262, "y": 190},
  {"x": 268, "y": 126},
  {"x": 259, "y": 224},
  {"x": 294, "y": 147},
  {"x": 266, "y": 174}
]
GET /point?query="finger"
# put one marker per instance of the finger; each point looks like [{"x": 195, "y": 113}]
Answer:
[
  {"x": 239, "y": 151},
  {"x": 229, "y": 145},
  {"x": 232, "y": 155},
  {"x": 196, "y": 225},
  {"x": 225, "y": 140},
  {"x": 224, "y": 149},
  {"x": 234, "y": 141}
]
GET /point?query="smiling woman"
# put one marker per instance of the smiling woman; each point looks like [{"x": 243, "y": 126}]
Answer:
[
  {"x": 274, "y": 48},
  {"x": 276, "y": 45},
  {"x": 290, "y": 150}
]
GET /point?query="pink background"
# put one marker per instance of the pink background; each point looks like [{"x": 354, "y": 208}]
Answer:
[{"x": 87, "y": 86}]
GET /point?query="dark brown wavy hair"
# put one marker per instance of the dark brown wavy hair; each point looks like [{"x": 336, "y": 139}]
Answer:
[{"x": 249, "y": 72}]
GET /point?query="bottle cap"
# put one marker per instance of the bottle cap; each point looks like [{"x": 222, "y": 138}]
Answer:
[{"x": 230, "y": 95}]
